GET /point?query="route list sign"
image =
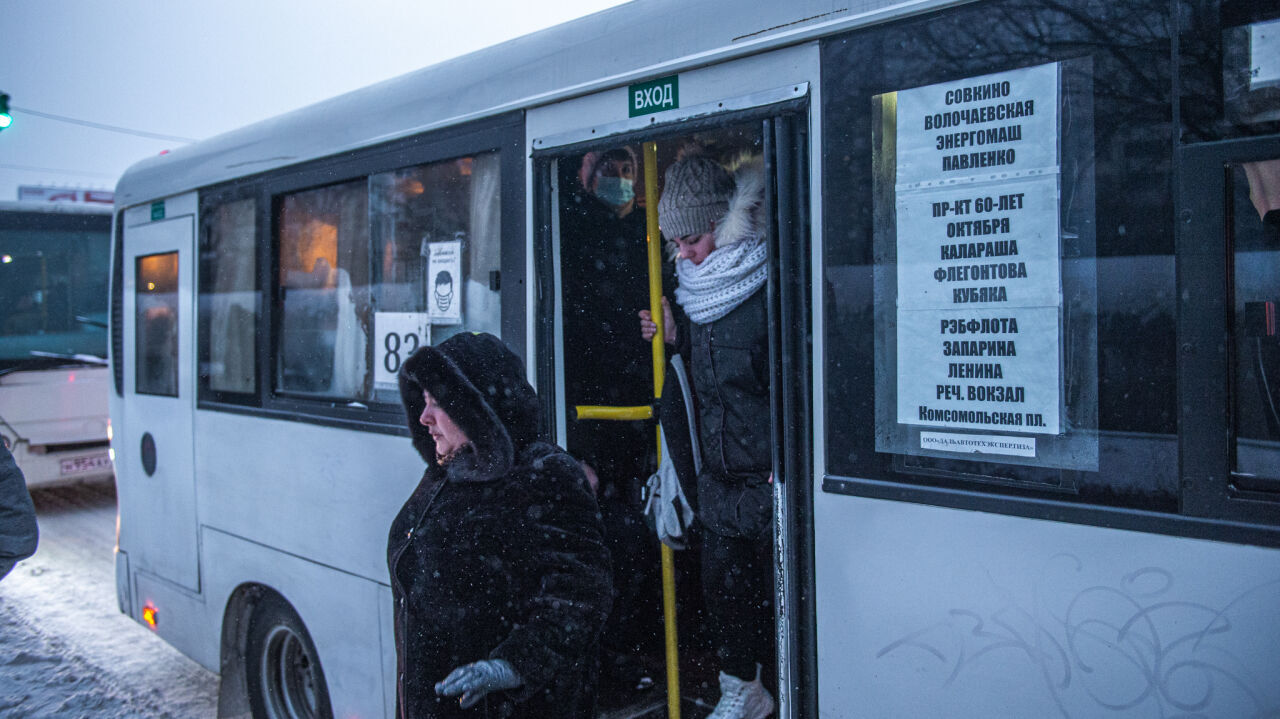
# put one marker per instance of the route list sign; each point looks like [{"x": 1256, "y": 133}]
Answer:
[{"x": 979, "y": 276}]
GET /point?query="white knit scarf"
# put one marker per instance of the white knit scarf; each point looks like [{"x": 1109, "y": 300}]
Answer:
[{"x": 728, "y": 276}]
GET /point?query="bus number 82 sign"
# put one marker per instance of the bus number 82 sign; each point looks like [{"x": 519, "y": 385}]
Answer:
[{"x": 397, "y": 335}]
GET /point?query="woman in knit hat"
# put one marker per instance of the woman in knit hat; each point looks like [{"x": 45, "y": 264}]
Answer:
[{"x": 712, "y": 218}]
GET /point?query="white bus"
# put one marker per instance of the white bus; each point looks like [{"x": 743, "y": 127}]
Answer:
[
  {"x": 1023, "y": 274},
  {"x": 54, "y": 271}
]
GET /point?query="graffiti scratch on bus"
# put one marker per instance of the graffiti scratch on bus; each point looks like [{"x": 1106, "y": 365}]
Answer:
[{"x": 1140, "y": 641}]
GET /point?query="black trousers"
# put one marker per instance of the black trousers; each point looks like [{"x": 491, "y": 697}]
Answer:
[{"x": 737, "y": 584}]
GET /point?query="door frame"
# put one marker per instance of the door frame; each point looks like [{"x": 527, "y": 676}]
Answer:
[
  {"x": 1203, "y": 266},
  {"x": 777, "y": 89}
]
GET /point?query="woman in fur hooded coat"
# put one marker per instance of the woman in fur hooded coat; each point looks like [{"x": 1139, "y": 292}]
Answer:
[
  {"x": 499, "y": 573},
  {"x": 713, "y": 218}
]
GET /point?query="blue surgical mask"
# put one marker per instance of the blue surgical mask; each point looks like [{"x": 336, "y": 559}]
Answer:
[{"x": 615, "y": 191}]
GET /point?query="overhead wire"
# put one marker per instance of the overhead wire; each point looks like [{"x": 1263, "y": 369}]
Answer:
[
  {"x": 102, "y": 126},
  {"x": 34, "y": 168}
]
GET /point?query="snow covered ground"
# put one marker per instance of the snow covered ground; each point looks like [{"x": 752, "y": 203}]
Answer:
[{"x": 65, "y": 649}]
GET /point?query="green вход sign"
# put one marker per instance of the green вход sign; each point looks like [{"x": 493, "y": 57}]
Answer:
[{"x": 653, "y": 96}]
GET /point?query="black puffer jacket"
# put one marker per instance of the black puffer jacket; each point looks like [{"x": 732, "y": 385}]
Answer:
[
  {"x": 729, "y": 366},
  {"x": 729, "y": 360},
  {"x": 499, "y": 554}
]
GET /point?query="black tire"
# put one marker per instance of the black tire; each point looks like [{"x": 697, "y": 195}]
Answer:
[{"x": 282, "y": 670}]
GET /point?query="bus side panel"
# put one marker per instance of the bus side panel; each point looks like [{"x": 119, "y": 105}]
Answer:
[
  {"x": 927, "y": 611},
  {"x": 274, "y": 492},
  {"x": 301, "y": 488},
  {"x": 341, "y": 613},
  {"x": 182, "y": 617}
]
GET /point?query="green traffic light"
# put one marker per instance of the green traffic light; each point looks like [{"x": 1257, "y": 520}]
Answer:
[{"x": 5, "y": 118}]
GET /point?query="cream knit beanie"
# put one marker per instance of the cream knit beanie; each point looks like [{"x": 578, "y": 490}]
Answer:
[{"x": 695, "y": 194}]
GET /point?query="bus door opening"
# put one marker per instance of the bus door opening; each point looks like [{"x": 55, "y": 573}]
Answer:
[
  {"x": 604, "y": 198},
  {"x": 1254, "y": 238}
]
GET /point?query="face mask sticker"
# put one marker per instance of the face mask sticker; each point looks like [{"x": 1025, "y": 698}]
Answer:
[{"x": 444, "y": 291}]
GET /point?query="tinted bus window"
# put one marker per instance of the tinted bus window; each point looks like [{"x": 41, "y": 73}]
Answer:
[
  {"x": 372, "y": 269},
  {"x": 324, "y": 292},
  {"x": 53, "y": 286},
  {"x": 437, "y": 246},
  {"x": 229, "y": 297},
  {"x": 999, "y": 248},
  {"x": 157, "y": 324}
]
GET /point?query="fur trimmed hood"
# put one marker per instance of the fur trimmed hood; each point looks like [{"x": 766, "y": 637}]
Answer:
[
  {"x": 480, "y": 384},
  {"x": 744, "y": 218}
]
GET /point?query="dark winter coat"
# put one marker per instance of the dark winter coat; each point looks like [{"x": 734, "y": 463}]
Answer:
[
  {"x": 729, "y": 364},
  {"x": 498, "y": 554},
  {"x": 18, "y": 532},
  {"x": 728, "y": 360}
]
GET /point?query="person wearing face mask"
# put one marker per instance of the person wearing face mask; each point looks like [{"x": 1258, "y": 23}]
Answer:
[
  {"x": 500, "y": 579},
  {"x": 712, "y": 220},
  {"x": 611, "y": 177},
  {"x": 603, "y": 260}
]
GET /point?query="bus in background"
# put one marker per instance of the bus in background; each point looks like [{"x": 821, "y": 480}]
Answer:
[
  {"x": 1022, "y": 262},
  {"x": 54, "y": 265}
]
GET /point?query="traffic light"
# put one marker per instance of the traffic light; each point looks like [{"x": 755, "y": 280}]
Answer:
[{"x": 5, "y": 118}]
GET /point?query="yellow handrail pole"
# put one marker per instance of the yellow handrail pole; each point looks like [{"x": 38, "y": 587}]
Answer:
[
  {"x": 654, "y": 241},
  {"x": 591, "y": 411}
]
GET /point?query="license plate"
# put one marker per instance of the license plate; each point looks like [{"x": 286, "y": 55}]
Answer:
[{"x": 79, "y": 465}]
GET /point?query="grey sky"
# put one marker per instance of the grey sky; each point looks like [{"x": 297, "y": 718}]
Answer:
[{"x": 195, "y": 69}]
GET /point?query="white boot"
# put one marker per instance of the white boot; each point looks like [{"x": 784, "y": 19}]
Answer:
[{"x": 742, "y": 699}]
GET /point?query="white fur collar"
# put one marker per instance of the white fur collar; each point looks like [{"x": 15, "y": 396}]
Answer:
[{"x": 743, "y": 220}]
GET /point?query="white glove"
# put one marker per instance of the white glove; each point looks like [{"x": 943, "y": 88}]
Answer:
[{"x": 475, "y": 680}]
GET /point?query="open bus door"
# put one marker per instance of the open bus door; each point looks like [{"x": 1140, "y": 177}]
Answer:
[
  {"x": 1231, "y": 241},
  {"x": 606, "y": 261},
  {"x": 156, "y": 443}
]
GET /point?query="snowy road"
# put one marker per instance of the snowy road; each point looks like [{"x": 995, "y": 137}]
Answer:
[{"x": 65, "y": 649}]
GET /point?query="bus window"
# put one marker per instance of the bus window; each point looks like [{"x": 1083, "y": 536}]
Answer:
[
  {"x": 370, "y": 270},
  {"x": 157, "y": 324},
  {"x": 53, "y": 291},
  {"x": 1255, "y": 243},
  {"x": 436, "y": 237},
  {"x": 324, "y": 283},
  {"x": 229, "y": 298},
  {"x": 1001, "y": 258}
]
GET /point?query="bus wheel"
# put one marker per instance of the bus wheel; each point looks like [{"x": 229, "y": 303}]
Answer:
[{"x": 282, "y": 669}]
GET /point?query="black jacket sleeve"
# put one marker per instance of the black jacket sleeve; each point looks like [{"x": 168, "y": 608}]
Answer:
[
  {"x": 18, "y": 532},
  {"x": 565, "y": 548}
]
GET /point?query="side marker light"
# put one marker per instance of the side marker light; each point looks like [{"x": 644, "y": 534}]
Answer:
[{"x": 149, "y": 615}]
